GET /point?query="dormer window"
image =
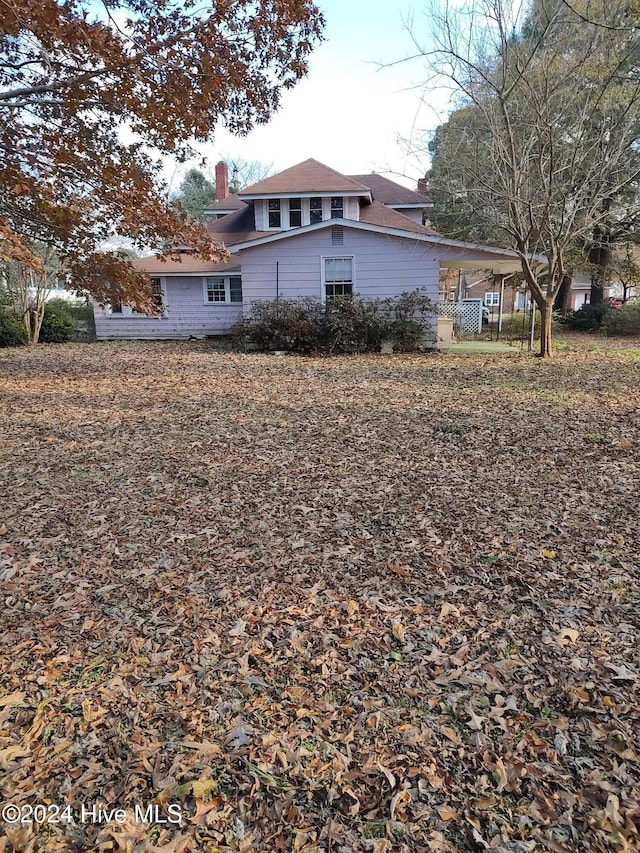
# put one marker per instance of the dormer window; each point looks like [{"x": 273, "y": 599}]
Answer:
[
  {"x": 275, "y": 219},
  {"x": 337, "y": 207},
  {"x": 295, "y": 212},
  {"x": 315, "y": 210}
]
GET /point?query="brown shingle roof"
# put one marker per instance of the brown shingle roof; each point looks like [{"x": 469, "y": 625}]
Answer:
[
  {"x": 236, "y": 227},
  {"x": 389, "y": 192},
  {"x": 377, "y": 213},
  {"x": 154, "y": 265},
  {"x": 231, "y": 202},
  {"x": 307, "y": 177}
]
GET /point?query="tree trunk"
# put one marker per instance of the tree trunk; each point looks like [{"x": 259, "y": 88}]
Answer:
[
  {"x": 564, "y": 295},
  {"x": 599, "y": 256},
  {"x": 546, "y": 314}
]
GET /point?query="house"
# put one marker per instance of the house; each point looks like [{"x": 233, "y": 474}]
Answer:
[{"x": 308, "y": 231}]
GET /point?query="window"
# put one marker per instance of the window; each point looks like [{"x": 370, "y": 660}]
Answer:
[
  {"x": 315, "y": 210},
  {"x": 158, "y": 296},
  {"x": 491, "y": 299},
  {"x": 295, "y": 212},
  {"x": 222, "y": 290},
  {"x": 338, "y": 277},
  {"x": 235, "y": 289},
  {"x": 275, "y": 217},
  {"x": 337, "y": 207}
]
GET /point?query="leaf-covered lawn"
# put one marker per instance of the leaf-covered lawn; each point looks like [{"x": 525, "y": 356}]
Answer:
[{"x": 379, "y": 604}]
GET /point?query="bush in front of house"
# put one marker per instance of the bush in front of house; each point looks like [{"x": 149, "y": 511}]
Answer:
[
  {"x": 12, "y": 330},
  {"x": 623, "y": 321},
  {"x": 341, "y": 325},
  {"x": 411, "y": 317},
  {"x": 588, "y": 318},
  {"x": 293, "y": 325},
  {"x": 58, "y": 326},
  {"x": 353, "y": 325}
]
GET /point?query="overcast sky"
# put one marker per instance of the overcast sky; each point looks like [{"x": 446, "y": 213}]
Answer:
[{"x": 349, "y": 113}]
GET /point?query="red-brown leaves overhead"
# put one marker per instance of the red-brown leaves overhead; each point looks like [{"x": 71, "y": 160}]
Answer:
[{"x": 78, "y": 79}]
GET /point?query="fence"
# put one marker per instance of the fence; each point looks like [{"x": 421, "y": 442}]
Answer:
[{"x": 466, "y": 316}]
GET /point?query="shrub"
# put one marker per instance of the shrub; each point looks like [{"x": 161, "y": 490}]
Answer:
[
  {"x": 354, "y": 325},
  {"x": 341, "y": 325},
  {"x": 589, "y": 318},
  {"x": 57, "y": 323},
  {"x": 284, "y": 324},
  {"x": 12, "y": 329},
  {"x": 412, "y": 318},
  {"x": 624, "y": 320},
  {"x": 520, "y": 323}
]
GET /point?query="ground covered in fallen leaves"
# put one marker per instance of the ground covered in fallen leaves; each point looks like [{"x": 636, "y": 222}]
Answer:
[{"x": 384, "y": 603}]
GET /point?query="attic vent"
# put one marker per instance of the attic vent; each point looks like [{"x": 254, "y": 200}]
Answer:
[{"x": 337, "y": 235}]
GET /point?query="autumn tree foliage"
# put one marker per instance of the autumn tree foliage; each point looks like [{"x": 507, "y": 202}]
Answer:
[{"x": 92, "y": 94}]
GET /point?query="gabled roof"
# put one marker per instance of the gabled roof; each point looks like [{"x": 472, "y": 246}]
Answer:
[
  {"x": 377, "y": 213},
  {"x": 231, "y": 202},
  {"x": 307, "y": 177},
  {"x": 389, "y": 192},
  {"x": 237, "y": 227}
]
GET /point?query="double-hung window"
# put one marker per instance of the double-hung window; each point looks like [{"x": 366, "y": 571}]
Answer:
[
  {"x": 119, "y": 309},
  {"x": 491, "y": 299},
  {"x": 338, "y": 277},
  {"x": 315, "y": 210},
  {"x": 158, "y": 294},
  {"x": 275, "y": 215},
  {"x": 222, "y": 289},
  {"x": 337, "y": 207},
  {"x": 295, "y": 212}
]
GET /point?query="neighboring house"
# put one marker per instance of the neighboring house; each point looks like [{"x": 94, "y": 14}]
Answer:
[{"x": 307, "y": 232}]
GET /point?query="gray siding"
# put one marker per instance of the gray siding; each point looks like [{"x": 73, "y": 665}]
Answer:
[
  {"x": 186, "y": 315},
  {"x": 384, "y": 265}
]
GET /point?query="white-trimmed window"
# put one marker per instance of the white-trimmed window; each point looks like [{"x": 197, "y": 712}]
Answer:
[
  {"x": 222, "y": 290},
  {"x": 492, "y": 298},
  {"x": 315, "y": 210},
  {"x": 295, "y": 212},
  {"x": 275, "y": 214},
  {"x": 119, "y": 309},
  {"x": 284, "y": 213},
  {"x": 337, "y": 207},
  {"x": 337, "y": 276},
  {"x": 158, "y": 293}
]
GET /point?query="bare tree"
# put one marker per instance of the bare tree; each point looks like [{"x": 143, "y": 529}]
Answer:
[
  {"x": 28, "y": 288},
  {"x": 547, "y": 130},
  {"x": 625, "y": 267}
]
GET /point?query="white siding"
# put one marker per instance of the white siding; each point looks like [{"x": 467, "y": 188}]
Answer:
[
  {"x": 186, "y": 315},
  {"x": 352, "y": 208},
  {"x": 260, "y": 214}
]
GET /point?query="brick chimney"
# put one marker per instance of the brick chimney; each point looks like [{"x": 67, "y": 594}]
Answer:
[
  {"x": 422, "y": 187},
  {"x": 222, "y": 180}
]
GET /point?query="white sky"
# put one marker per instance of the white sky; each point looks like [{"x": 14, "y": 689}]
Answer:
[{"x": 348, "y": 112}]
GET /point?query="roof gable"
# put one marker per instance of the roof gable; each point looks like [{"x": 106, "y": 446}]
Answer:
[
  {"x": 231, "y": 202},
  {"x": 307, "y": 177},
  {"x": 389, "y": 192}
]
